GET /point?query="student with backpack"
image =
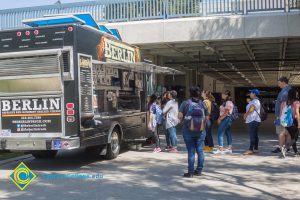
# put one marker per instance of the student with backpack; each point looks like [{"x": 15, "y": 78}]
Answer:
[
  {"x": 155, "y": 120},
  {"x": 228, "y": 114},
  {"x": 253, "y": 120},
  {"x": 194, "y": 114},
  {"x": 213, "y": 112},
  {"x": 291, "y": 120}
]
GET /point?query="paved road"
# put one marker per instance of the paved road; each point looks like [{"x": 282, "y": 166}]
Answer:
[{"x": 144, "y": 175}]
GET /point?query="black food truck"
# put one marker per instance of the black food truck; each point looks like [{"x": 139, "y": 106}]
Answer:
[{"x": 67, "y": 83}]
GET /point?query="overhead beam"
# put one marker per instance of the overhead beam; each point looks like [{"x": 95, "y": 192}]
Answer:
[
  {"x": 255, "y": 64},
  {"x": 282, "y": 56},
  {"x": 296, "y": 60}
]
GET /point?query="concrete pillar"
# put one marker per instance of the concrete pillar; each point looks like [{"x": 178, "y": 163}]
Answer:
[{"x": 188, "y": 80}]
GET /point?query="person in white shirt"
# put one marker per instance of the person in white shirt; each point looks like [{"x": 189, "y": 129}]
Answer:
[
  {"x": 252, "y": 118},
  {"x": 170, "y": 112}
]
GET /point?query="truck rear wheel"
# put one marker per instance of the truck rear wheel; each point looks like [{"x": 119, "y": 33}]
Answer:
[
  {"x": 44, "y": 154},
  {"x": 113, "y": 149}
]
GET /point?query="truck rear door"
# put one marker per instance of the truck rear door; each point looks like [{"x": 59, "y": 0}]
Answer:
[{"x": 31, "y": 94}]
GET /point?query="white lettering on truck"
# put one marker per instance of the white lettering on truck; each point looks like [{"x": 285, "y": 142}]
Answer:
[{"x": 28, "y": 105}]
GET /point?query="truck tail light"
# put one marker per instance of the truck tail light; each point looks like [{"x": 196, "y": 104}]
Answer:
[
  {"x": 70, "y": 106},
  {"x": 70, "y": 112},
  {"x": 70, "y": 118},
  {"x": 19, "y": 33},
  {"x": 27, "y": 33}
]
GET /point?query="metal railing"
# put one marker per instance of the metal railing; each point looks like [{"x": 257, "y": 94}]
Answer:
[{"x": 134, "y": 10}]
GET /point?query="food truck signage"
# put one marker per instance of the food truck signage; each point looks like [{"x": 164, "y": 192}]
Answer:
[
  {"x": 31, "y": 115},
  {"x": 110, "y": 51},
  {"x": 86, "y": 84}
]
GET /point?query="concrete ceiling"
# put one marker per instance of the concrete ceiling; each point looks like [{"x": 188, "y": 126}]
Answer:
[{"x": 237, "y": 62}]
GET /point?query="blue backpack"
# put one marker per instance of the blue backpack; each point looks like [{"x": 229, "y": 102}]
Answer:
[
  {"x": 286, "y": 118},
  {"x": 158, "y": 114},
  {"x": 195, "y": 116}
]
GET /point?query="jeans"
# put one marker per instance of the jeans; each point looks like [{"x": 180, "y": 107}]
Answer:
[
  {"x": 166, "y": 134},
  {"x": 253, "y": 133},
  {"x": 194, "y": 142},
  {"x": 209, "y": 141},
  {"x": 172, "y": 136},
  {"x": 156, "y": 136},
  {"x": 224, "y": 128}
]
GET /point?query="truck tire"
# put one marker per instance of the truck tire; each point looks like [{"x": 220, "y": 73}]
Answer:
[
  {"x": 44, "y": 154},
  {"x": 113, "y": 148}
]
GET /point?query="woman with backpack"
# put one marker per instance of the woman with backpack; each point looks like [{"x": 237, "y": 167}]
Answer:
[
  {"x": 209, "y": 100},
  {"x": 225, "y": 120},
  {"x": 194, "y": 114},
  {"x": 155, "y": 120},
  {"x": 293, "y": 130},
  {"x": 253, "y": 119}
]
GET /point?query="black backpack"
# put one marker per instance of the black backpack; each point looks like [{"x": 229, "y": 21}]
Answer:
[
  {"x": 263, "y": 111},
  {"x": 215, "y": 111}
]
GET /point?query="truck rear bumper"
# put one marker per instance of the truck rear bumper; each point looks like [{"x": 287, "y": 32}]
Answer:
[{"x": 24, "y": 144}]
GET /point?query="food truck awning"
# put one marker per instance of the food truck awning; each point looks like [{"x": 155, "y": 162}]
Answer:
[
  {"x": 66, "y": 19},
  {"x": 142, "y": 67}
]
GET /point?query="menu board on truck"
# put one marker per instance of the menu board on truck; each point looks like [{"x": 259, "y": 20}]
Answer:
[{"x": 86, "y": 85}]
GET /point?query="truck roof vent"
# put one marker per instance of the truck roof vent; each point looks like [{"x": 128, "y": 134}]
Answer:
[{"x": 66, "y": 61}]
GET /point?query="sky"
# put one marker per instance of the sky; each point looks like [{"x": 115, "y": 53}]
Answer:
[{"x": 7, "y": 4}]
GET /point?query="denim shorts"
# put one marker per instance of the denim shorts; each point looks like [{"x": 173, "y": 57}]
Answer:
[{"x": 281, "y": 129}]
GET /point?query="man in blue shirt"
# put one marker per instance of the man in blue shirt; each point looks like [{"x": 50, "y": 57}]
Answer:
[{"x": 282, "y": 97}]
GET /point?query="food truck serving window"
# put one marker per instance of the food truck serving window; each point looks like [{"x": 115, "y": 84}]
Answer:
[{"x": 32, "y": 73}]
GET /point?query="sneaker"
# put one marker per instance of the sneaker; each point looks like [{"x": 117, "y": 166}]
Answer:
[
  {"x": 208, "y": 149},
  {"x": 283, "y": 152},
  {"x": 157, "y": 150},
  {"x": 255, "y": 151},
  {"x": 173, "y": 150},
  {"x": 188, "y": 175},
  {"x": 218, "y": 151},
  {"x": 228, "y": 151},
  {"x": 197, "y": 173},
  {"x": 277, "y": 150},
  {"x": 168, "y": 148},
  {"x": 248, "y": 152}
]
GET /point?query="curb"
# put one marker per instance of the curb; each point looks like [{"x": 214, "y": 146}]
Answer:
[{"x": 10, "y": 160}]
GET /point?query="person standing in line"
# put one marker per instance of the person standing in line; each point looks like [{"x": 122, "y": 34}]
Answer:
[
  {"x": 225, "y": 121},
  {"x": 155, "y": 121},
  {"x": 164, "y": 101},
  {"x": 208, "y": 100},
  {"x": 193, "y": 113},
  {"x": 253, "y": 119},
  {"x": 283, "y": 84},
  {"x": 170, "y": 112},
  {"x": 293, "y": 130}
]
